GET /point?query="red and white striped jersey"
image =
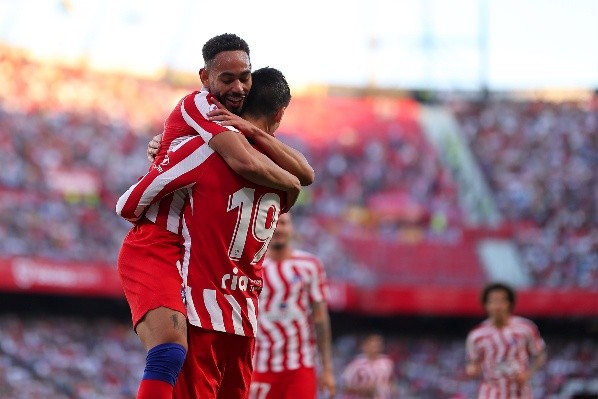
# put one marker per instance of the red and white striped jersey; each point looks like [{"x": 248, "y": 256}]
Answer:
[
  {"x": 363, "y": 372},
  {"x": 188, "y": 118},
  {"x": 226, "y": 230},
  {"x": 503, "y": 353},
  {"x": 285, "y": 339}
]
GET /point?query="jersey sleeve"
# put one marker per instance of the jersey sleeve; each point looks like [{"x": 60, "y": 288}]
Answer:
[
  {"x": 181, "y": 167},
  {"x": 194, "y": 109},
  {"x": 535, "y": 343},
  {"x": 471, "y": 350},
  {"x": 318, "y": 290}
]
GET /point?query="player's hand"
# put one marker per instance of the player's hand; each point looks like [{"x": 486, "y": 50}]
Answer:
[
  {"x": 292, "y": 196},
  {"x": 328, "y": 383},
  {"x": 153, "y": 147},
  {"x": 522, "y": 377},
  {"x": 473, "y": 369},
  {"x": 227, "y": 118}
]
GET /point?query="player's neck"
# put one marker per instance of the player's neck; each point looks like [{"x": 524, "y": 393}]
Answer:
[
  {"x": 500, "y": 322},
  {"x": 260, "y": 123}
]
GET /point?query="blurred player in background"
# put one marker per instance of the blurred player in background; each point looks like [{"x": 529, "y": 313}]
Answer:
[
  {"x": 148, "y": 259},
  {"x": 506, "y": 349},
  {"x": 226, "y": 228},
  {"x": 370, "y": 374},
  {"x": 293, "y": 309}
]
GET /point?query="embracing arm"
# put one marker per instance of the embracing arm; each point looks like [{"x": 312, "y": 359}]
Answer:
[
  {"x": 283, "y": 155},
  {"x": 250, "y": 163},
  {"x": 247, "y": 162},
  {"x": 180, "y": 169}
]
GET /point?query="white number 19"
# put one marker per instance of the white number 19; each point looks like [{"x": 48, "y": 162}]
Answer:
[{"x": 243, "y": 199}]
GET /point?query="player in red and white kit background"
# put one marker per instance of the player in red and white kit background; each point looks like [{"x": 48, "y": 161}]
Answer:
[
  {"x": 293, "y": 324},
  {"x": 371, "y": 373},
  {"x": 226, "y": 230},
  {"x": 505, "y": 349}
]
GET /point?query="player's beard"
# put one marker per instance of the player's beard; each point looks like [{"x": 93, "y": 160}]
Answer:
[
  {"x": 278, "y": 246},
  {"x": 235, "y": 110}
]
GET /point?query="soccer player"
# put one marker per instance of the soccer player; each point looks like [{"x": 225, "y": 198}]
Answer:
[
  {"x": 370, "y": 374},
  {"x": 293, "y": 308},
  {"x": 226, "y": 230},
  {"x": 148, "y": 259},
  {"x": 506, "y": 349}
]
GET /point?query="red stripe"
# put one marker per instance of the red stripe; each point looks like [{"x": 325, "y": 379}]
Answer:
[
  {"x": 285, "y": 282},
  {"x": 164, "y": 210},
  {"x": 300, "y": 338},
  {"x": 281, "y": 330}
]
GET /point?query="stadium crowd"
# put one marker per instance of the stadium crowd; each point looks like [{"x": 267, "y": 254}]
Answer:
[
  {"x": 73, "y": 140},
  {"x": 540, "y": 160},
  {"x": 58, "y": 357}
]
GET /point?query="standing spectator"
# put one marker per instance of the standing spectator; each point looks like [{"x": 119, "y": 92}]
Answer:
[{"x": 506, "y": 349}]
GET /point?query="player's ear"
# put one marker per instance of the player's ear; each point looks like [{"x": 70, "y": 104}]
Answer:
[
  {"x": 279, "y": 114},
  {"x": 203, "y": 75}
]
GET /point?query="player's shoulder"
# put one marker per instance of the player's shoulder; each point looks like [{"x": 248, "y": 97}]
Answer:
[
  {"x": 481, "y": 329},
  {"x": 301, "y": 254},
  {"x": 200, "y": 100},
  {"x": 385, "y": 360},
  {"x": 306, "y": 257},
  {"x": 522, "y": 322}
]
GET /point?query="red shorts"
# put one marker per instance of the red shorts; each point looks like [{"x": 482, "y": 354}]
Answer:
[
  {"x": 218, "y": 366},
  {"x": 147, "y": 266},
  {"x": 291, "y": 384}
]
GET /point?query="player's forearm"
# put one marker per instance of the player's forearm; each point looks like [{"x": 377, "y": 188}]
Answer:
[
  {"x": 285, "y": 156},
  {"x": 323, "y": 334},
  {"x": 263, "y": 171},
  {"x": 537, "y": 363}
]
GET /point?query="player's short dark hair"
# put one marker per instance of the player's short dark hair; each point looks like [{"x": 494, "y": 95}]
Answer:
[
  {"x": 269, "y": 93},
  {"x": 220, "y": 43},
  {"x": 499, "y": 287}
]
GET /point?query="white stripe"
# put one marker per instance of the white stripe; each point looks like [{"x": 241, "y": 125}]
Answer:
[
  {"x": 192, "y": 315},
  {"x": 192, "y": 161},
  {"x": 252, "y": 314},
  {"x": 262, "y": 348},
  {"x": 236, "y": 314},
  {"x": 152, "y": 212},
  {"x": 202, "y": 105},
  {"x": 209, "y": 300},
  {"x": 176, "y": 208},
  {"x": 206, "y": 136},
  {"x": 292, "y": 338},
  {"x": 186, "y": 252}
]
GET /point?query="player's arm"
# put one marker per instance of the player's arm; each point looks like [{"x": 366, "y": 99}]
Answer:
[
  {"x": 321, "y": 322},
  {"x": 283, "y": 155},
  {"x": 252, "y": 164},
  {"x": 536, "y": 363},
  {"x": 182, "y": 170},
  {"x": 247, "y": 162},
  {"x": 473, "y": 368}
]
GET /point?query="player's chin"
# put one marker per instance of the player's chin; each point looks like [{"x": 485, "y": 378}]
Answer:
[{"x": 234, "y": 105}]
